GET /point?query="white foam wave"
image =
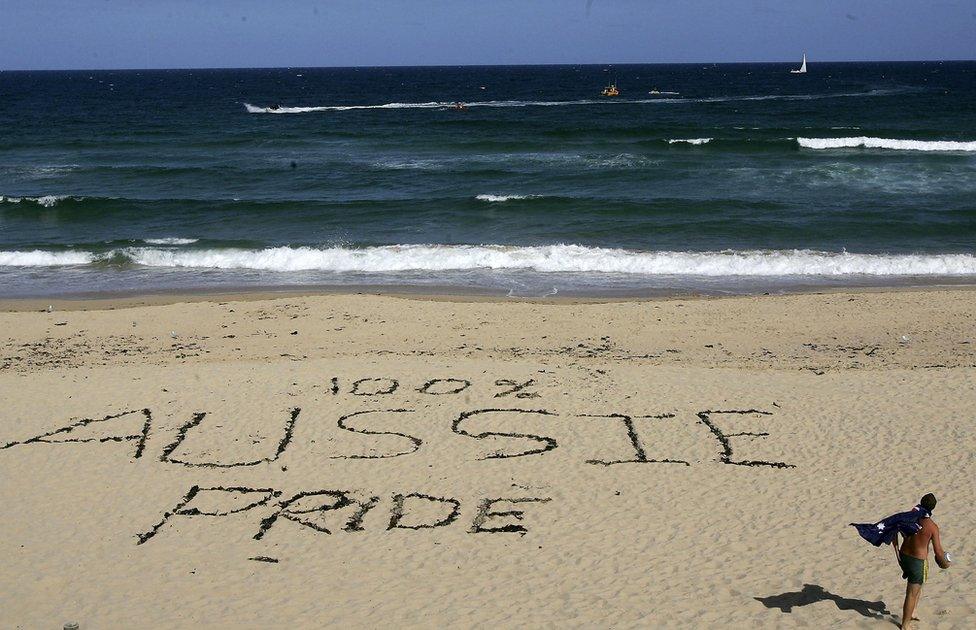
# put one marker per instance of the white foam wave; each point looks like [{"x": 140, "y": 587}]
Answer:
[
  {"x": 41, "y": 258},
  {"x": 50, "y": 200},
  {"x": 562, "y": 258},
  {"x": 171, "y": 241},
  {"x": 694, "y": 141},
  {"x": 549, "y": 258},
  {"x": 46, "y": 201},
  {"x": 501, "y": 198},
  {"x": 886, "y": 143}
]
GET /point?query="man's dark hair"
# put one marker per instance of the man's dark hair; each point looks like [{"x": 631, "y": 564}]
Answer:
[{"x": 928, "y": 502}]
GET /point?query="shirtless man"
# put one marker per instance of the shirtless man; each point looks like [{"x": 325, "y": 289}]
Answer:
[{"x": 913, "y": 557}]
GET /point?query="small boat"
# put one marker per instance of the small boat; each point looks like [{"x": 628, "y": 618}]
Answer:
[
  {"x": 611, "y": 90},
  {"x": 803, "y": 67}
]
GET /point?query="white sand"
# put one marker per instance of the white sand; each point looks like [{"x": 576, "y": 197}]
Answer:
[{"x": 867, "y": 422}]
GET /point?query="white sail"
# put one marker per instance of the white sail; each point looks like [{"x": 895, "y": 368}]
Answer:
[{"x": 803, "y": 66}]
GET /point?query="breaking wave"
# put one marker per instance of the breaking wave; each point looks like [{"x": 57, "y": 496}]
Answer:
[
  {"x": 549, "y": 258},
  {"x": 41, "y": 258},
  {"x": 501, "y": 198},
  {"x": 47, "y": 201},
  {"x": 694, "y": 141},
  {"x": 170, "y": 241},
  {"x": 885, "y": 143}
]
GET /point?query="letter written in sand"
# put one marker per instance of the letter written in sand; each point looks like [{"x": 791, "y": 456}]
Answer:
[
  {"x": 520, "y": 390},
  {"x": 640, "y": 455},
  {"x": 374, "y": 386},
  {"x": 216, "y": 501},
  {"x": 306, "y": 509},
  {"x": 545, "y": 443},
  {"x": 425, "y": 511},
  {"x": 343, "y": 423},
  {"x": 111, "y": 428},
  {"x": 710, "y": 419},
  {"x": 197, "y": 419},
  {"x": 444, "y": 386},
  {"x": 485, "y": 513}
]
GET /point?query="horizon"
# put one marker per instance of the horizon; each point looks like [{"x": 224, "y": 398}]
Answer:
[
  {"x": 502, "y": 65},
  {"x": 179, "y": 34}
]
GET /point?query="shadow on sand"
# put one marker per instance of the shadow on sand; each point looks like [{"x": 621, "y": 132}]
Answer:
[{"x": 813, "y": 593}]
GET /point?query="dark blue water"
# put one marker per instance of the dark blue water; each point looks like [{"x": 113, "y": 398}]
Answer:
[{"x": 142, "y": 180}]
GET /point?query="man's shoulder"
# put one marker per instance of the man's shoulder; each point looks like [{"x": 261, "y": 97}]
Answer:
[{"x": 928, "y": 523}]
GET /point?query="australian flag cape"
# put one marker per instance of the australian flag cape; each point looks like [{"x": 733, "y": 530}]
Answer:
[{"x": 883, "y": 532}]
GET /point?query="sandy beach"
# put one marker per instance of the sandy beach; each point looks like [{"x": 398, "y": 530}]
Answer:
[{"x": 363, "y": 460}]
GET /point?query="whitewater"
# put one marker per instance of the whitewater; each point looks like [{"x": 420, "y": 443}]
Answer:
[
  {"x": 893, "y": 144},
  {"x": 45, "y": 201},
  {"x": 544, "y": 259}
]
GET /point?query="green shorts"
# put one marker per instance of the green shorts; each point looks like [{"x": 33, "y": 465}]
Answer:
[{"x": 912, "y": 569}]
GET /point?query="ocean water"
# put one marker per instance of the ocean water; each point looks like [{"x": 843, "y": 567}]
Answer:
[{"x": 712, "y": 178}]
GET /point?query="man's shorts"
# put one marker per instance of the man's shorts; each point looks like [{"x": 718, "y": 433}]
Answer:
[{"x": 912, "y": 569}]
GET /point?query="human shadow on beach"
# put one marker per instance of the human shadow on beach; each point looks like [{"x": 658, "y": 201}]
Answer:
[{"x": 813, "y": 593}]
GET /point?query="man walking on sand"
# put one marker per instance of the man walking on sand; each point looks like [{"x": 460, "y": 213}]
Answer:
[{"x": 913, "y": 558}]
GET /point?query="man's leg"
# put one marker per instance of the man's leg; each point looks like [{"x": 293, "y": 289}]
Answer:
[{"x": 912, "y": 593}]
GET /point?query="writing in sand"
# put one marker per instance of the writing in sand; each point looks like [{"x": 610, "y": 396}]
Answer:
[{"x": 194, "y": 441}]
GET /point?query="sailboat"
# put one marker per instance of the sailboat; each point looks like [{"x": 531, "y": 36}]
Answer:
[{"x": 803, "y": 67}]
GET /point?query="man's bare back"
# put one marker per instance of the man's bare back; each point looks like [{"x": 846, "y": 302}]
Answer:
[{"x": 917, "y": 546}]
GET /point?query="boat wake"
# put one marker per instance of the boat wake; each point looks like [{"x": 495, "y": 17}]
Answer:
[{"x": 445, "y": 105}]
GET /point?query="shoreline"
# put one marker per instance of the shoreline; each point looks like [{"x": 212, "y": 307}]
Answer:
[{"x": 118, "y": 300}]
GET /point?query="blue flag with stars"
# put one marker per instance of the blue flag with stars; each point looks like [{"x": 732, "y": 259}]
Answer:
[{"x": 883, "y": 532}]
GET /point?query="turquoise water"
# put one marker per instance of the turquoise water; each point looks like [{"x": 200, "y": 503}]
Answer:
[{"x": 698, "y": 177}]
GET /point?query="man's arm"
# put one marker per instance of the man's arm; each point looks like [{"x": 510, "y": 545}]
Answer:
[
  {"x": 940, "y": 558},
  {"x": 894, "y": 543}
]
